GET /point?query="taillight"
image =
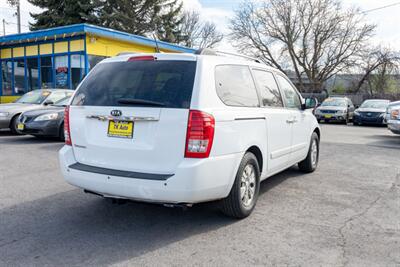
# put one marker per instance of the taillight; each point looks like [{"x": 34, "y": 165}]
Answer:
[
  {"x": 142, "y": 58},
  {"x": 395, "y": 114},
  {"x": 199, "y": 135},
  {"x": 67, "y": 132}
]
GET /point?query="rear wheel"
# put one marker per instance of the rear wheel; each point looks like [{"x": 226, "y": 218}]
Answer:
[
  {"x": 244, "y": 193},
  {"x": 310, "y": 163}
]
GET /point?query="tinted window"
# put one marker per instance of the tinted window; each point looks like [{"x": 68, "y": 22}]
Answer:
[
  {"x": 235, "y": 86},
  {"x": 169, "y": 83},
  {"x": 269, "y": 92},
  {"x": 34, "y": 97},
  {"x": 292, "y": 99}
]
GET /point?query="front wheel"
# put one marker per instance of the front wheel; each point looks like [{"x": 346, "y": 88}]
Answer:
[
  {"x": 14, "y": 125},
  {"x": 244, "y": 193},
  {"x": 310, "y": 163}
]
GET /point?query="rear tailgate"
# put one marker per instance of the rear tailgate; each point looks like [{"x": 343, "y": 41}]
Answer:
[{"x": 132, "y": 116}]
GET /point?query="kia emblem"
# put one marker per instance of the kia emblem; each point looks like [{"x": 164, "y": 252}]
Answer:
[{"x": 116, "y": 113}]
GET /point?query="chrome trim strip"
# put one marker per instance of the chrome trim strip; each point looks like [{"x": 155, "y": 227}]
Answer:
[{"x": 122, "y": 118}]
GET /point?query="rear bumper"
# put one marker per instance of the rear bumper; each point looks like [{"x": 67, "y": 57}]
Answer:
[
  {"x": 195, "y": 180},
  {"x": 394, "y": 126}
]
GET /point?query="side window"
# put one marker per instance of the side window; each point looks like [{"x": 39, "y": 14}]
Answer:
[
  {"x": 292, "y": 99},
  {"x": 235, "y": 86},
  {"x": 269, "y": 92}
]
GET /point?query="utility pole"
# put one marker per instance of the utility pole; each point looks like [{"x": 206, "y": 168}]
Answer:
[
  {"x": 19, "y": 16},
  {"x": 17, "y": 4},
  {"x": 4, "y": 27}
]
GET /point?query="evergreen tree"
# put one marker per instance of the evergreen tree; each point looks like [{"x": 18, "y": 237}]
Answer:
[
  {"x": 168, "y": 22},
  {"x": 61, "y": 13},
  {"x": 133, "y": 16}
]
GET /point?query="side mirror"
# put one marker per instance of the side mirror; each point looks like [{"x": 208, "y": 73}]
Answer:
[
  {"x": 310, "y": 103},
  {"x": 48, "y": 102},
  {"x": 356, "y": 106}
]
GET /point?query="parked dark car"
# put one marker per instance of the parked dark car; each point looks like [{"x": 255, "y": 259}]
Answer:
[
  {"x": 47, "y": 121},
  {"x": 338, "y": 109},
  {"x": 371, "y": 111}
]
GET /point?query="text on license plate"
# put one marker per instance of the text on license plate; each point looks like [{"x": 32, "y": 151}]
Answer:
[
  {"x": 121, "y": 129},
  {"x": 328, "y": 116}
]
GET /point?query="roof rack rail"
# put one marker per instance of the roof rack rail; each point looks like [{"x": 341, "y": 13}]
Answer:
[
  {"x": 125, "y": 53},
  {"x": 211, "y": 52}
]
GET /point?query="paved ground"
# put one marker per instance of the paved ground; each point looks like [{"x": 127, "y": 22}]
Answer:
[{"x": 346, "y": 213}]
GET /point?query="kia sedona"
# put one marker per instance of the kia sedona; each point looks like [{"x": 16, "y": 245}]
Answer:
[
  {"x": 180, "y": 129},
  {"x": 337, "y": 109},
  {"x": 371, "y": 111},
  {"x": 36, "y": 99}
]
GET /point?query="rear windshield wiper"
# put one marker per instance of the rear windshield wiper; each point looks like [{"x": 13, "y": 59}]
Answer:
[{"x": 133, "y": 101}]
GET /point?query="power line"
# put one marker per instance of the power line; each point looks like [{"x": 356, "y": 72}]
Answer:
[{"x": 379, "y": 8}]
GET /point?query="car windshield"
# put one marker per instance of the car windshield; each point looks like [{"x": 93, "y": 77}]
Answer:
[
  {"x": 62, "y": 102},
  {"x": 375, "y": 104},
  {"x": 335, "y": 102},
  {"x": 34, "y": 97},
  {"x": 161, "y": 83}
]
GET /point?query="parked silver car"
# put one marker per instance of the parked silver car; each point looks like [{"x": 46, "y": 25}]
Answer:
[
  {"x": 335, "y": 109},
  {"x": 394, "y": 119},
  {"x": 36, "y": 99},
  {"x": 389, "y": 109}
]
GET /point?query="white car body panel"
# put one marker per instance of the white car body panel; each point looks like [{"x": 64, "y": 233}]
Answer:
[{"x": 158, "y": 146}]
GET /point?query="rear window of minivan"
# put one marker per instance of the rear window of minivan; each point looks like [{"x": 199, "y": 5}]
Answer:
[{"x": 166, "y": 82}]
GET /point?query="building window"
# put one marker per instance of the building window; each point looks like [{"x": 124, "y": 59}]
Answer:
[
  {"x": 19, "y": 76},
  {"x": 32, "y": 74},
  {"x": 77, "y": 69},
  {"x": 46, "y": 72},
  {"x": 61, "y": 64},
  {"x": 6, "y": 67},
  {"x": 93, "y": 60}
]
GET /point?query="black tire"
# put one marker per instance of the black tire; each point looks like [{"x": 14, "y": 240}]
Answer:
[
  {"x": 308, "y": 164},
  {"x": 61, "y": 133},
  {"x": 347, "y": 119},
  {"x": 233, "y": 205},
  {"x": 13, "y": 125}
]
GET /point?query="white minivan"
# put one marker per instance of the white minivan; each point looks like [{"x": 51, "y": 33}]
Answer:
[{"x": 180, "y": 129}]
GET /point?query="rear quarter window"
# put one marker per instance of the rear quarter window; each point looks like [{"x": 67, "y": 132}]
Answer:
[
  {"x": 235, "y": 86},
  {"x": 168, "y": 82}
]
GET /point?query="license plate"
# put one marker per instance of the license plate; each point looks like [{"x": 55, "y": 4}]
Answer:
[
  {"x": 20, "y": 126},
  {"x": 121, "y": 129},
  {"x": 328, "y": 116}
]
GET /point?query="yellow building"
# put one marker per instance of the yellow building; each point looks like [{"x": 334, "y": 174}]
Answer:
[{"x": 60, "y": 57}]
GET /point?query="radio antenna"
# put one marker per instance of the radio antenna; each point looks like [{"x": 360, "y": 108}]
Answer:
[{"x": 155, "y": 40}]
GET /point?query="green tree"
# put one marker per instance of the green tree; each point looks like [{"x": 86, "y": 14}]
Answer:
[
  {"x": 168, "y": 22},
  {"x": 133, "y": 16},
  {"x": 61, "y": 13}
]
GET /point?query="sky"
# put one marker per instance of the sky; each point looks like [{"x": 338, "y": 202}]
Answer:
[{"x": 221, "y": 11}]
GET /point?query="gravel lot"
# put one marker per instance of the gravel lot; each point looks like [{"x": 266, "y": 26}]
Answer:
[{"x": 345, "y": 213}]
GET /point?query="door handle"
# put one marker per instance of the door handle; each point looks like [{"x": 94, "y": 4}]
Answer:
[{"x": 289, "y": 121}]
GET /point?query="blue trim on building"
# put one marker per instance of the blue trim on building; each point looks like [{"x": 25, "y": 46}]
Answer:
[{"x": 79, "y": 29}]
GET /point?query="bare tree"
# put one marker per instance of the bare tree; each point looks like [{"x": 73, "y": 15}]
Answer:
[
  {"x": 198, "y": 34},
  {"x": 315, "y": 38},
  {"x": 376, "y": 65}
]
